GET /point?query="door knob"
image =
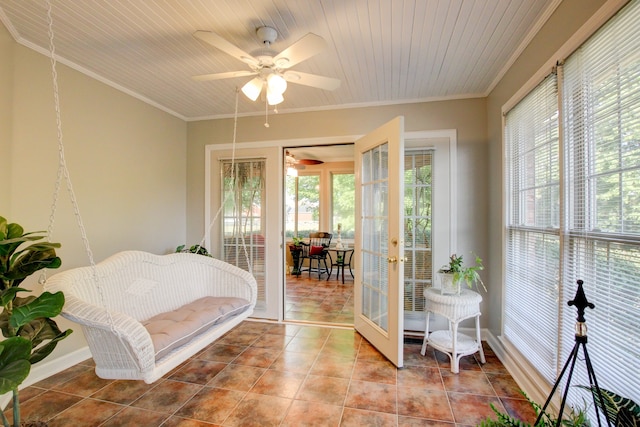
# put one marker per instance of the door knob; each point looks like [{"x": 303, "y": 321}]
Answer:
[{"x": 392, "y": 260}]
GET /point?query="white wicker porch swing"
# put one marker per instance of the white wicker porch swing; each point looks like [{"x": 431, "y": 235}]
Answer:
[{"x": 144, "y": 314}]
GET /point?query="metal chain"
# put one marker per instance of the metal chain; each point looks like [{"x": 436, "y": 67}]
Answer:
[{"x": 64, "y": 171}]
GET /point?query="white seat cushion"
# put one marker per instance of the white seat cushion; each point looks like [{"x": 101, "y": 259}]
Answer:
[{"x": 172, "y": 329}]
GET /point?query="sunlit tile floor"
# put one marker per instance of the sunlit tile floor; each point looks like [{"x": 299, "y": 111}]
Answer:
[
  {"x": 266, "y": 374},
  {"x": 324, "y": 300}
]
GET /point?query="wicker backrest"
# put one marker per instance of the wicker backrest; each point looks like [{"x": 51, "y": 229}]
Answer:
[{"x": 142, "y": 285}]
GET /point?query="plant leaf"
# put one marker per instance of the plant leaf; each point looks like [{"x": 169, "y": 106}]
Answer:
[
  {"x": 9, "y": 295},
  {"x": 14, "y": 363},
  {"x": 614, "y": 404},
  {"x": 46, "y": 305},
  {"x": 626, "y": 419},
  {"x": 43, "y": 351},
  {"x": 34, "y": 258},
  {"x": 13, "y": 240}
]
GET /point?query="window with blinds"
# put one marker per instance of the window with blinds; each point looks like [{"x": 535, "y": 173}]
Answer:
[
  {"x": 243, "y": 225},
  {"x": 578, "y": 218},
  {"x": 601, "y": 104},
  {"x": 533, "y": 227},
  {"x": 418, "y": 191}
]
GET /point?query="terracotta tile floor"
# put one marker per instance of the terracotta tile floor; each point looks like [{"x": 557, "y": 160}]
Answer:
[
  {"x": 320, "y": 301},
  {"x": 265, "y": 374}
]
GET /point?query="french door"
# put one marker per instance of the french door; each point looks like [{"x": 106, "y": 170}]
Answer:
[
  {"x": 244, "y": 231},
  {"x": 378, "y": 302}
]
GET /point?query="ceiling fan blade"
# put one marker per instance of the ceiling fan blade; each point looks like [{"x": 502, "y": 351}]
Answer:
[
  {"x": 305, "y": 48},
  {"x": 218, "y": 42},
  {"x": 228, "y": 75},
  {"x": 313, "y": 80},
  {"x": 310, "y": 162}
]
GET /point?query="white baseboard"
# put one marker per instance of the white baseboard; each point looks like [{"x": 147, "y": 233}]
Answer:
[
  {"x": 44, "y": 370},
  {"x": 533, "y": 384}
]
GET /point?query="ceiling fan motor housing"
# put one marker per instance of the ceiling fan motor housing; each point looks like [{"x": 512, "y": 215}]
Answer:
[{"x": 267, "y": 35}]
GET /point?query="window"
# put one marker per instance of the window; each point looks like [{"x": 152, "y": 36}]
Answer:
[
  {"x": 533, "y": 238},
  {"x": 243, "y": 219},
  {"x": 303, "y": 202},
  {"x": 601, "y": 101},
  {"x": 418, "y": 191},
  {"x": 343, "y": 204},
  {"x": 579, "y": 219}
]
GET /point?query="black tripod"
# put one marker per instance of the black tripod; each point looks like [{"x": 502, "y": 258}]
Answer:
[{"x": 580, "y": 301}]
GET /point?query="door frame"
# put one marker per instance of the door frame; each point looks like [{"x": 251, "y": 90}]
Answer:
[
  {"x": 274, "y": 246},
  {"x": 278, "y": 277},
  {"x": 444, "y": 220}
]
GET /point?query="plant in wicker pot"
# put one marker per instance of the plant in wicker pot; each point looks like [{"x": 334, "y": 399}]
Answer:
[
  {"x": 26, "y": 323},
  {"x": 452, "y": 274}
]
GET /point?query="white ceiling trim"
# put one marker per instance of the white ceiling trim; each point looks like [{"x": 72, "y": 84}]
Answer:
[
  {"x": 343, "y": 106},
  {"x": 534, "y": 30}
]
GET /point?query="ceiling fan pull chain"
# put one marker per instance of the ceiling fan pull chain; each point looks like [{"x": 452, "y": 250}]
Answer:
[{"x": 266, "y": 113}]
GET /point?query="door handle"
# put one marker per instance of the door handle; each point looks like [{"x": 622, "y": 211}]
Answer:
[{"x": 392, "y": 260}]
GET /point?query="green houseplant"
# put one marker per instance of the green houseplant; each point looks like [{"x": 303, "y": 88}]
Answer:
[
  {"x": 26, "y": 323},
  {"x": 619, "y": 411},
  {"x": 195, "y": 249},
  {"x": 455, "y": 272},
  {"x": 577, "y": 418},
  {"x": 296, "y": 242}
]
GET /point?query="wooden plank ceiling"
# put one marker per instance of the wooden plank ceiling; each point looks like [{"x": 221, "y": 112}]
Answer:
[{"x": 383, "y": 51}]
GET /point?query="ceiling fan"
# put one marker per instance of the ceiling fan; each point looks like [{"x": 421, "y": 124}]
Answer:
[
  {"x": 271, "y": 69},
  {"x": 291, "y": 158},
  {"x": 293, "y": 165}
]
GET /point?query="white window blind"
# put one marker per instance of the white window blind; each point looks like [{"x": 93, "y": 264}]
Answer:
[
  {"x": 418, "y": 193},
  {"x": 601, "y": 105},
  {"x": 533, "y": 218},
  {"x": 580, "y": 221},
  {"x": 243, "y": 196}
]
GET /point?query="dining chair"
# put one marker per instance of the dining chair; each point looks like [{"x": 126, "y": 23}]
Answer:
[{"x": 316, "y": 251}]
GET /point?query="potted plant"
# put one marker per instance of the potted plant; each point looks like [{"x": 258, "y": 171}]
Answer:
[
  {"x": 296, "y": 242},
  {"x": 195, "y": 249},
  {"x": 455, "y": 272},
  {"x": 26, "y": 323}
]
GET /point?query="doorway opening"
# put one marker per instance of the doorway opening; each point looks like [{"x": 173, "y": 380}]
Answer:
[{"x": 319, "y": 197}]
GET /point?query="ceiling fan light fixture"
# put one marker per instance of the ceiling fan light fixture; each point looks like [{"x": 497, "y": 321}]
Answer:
[
  {"x": 276, "y": 83},
  {"x": 274, "y": 98},
  {"x": 253, "y": 88},
  {"x": 292, "y": 171}
]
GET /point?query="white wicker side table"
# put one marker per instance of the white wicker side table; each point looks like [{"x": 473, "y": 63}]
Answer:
[{"x": 455, "y": 308}]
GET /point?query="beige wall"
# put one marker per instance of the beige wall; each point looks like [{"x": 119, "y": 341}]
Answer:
[
  {"x": 126, "y": 159},
  {"x": 6, "y": 100},
  {"x": 467, "y": 116},
  {"x": 567, "y": 19}
]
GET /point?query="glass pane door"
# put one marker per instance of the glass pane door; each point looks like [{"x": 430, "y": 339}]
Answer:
[
  {"x": 375, "y": 207},
  {"x": 378, "y": 313},
  {"x": 418, "y": 183},
  {"x": 243, "y": 223}
]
